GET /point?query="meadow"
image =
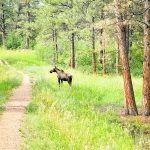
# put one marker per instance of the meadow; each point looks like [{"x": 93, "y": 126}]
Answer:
[
  {"x": 84, "y": 117},
  {"x": 20, "y": 58},
  {"x": 9, "y": 79}
]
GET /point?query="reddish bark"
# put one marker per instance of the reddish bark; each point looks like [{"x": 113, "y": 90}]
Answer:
[
  {"x": 128, "y": 87},
  {"x": 146, "y": 63},
  {"x": 72, "y": 52}
]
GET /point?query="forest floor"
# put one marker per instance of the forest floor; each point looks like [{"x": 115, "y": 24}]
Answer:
[
  {"x": 11, "y": 118},
  {"x": 121, "y": 112}
]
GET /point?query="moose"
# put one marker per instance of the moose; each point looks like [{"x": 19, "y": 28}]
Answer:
[{"x": 62, "y": 76}]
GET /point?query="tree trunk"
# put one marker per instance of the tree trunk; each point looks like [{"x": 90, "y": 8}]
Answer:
[
  {"x": 102, "y": 47},
  {"x": 27, "y": 42},
  {"x": 127, "y": 27},
  {"x": 28, "y": 19},
  {"x": 56, "y": 45},
  {"x": 146, "y": 63},
  {"x": 117, "y": 57},
  {"x": 131, "y": 34},
  {"x": 130, "y": 42},
  {"x": 54, "y": 52},
  {"x": 102, "y": 51},
  {"x": 93, "y": 49},
  {"x": 72, "y": 52},
  {"x": 18, "y": 15},
  {"x": 103, "y": 65},
  {"x": 128, "y": 87},
  {"x": 3, "y": 25},
  {"x": 128, "y": 38}
]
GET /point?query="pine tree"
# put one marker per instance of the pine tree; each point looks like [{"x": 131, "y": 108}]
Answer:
[
  {"x": 6, "y": 19},
  {"x": 25, "y": 23},
  {"x": 128, "y": 87},
  {"x": 146, "y": 64}
]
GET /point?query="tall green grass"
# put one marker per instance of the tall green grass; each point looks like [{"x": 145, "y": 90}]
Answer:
[
  {"x": 84, "y": 117},
  {"x": 78, "y": 118},
  {"x": 9, "y": 79},
  {"x": 20, "y": 58}
]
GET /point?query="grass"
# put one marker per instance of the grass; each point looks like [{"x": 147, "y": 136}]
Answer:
[
  {"x": 20, "y": 58},
  {"x": 83, "y": 117},
  {"x": 64, "y": 118},
  {"x": 9, "y": 79}
]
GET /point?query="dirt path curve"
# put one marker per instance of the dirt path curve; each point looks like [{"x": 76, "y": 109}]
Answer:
[{"x": 12, "y": 117}]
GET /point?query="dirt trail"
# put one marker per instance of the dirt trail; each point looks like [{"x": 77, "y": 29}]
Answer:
[{"x": 12, "y": 117}]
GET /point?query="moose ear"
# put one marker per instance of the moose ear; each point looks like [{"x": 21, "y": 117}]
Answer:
[{"x": 55, "y": 67}]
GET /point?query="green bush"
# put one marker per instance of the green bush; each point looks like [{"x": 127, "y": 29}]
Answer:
[
  {"x": 136, "y": 60},
  {"x": 13, "y": 41}
]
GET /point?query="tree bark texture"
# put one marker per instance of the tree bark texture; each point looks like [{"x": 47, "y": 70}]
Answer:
[
  {"x": 117, "y": 57},
  {"x": 128, "y": 87},
  {"x": 102, "y": 47},
  {"x": 54, "y": 52},
  {"x": 93, "y": 49},
  {"x": 128, "y": 38},
  {"x": 28, "y": 20},
  {"x": 3, "y": 26},
  {"x": 55, "y": 46},
  {"x": 146, "y": 63},
  {"x": 127, "y": 26},
  {"x": 72, "y": 51},
  {"x": 102, "y": 51}
]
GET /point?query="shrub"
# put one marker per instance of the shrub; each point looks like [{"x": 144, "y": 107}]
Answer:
[{"x": 13, "y": 41}]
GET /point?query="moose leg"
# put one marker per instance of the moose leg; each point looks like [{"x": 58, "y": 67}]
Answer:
[
  {"x": 59, "y": 82},
  {"x": 70, "y": 83}
]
